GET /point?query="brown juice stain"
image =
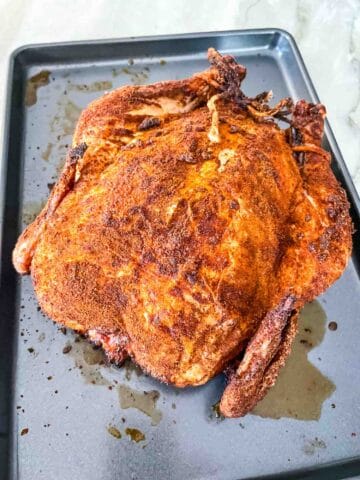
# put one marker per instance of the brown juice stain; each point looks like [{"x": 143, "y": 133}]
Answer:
[
  {"x": 135, "y": 434},
  {"x": 65, "y": 120},
  {"x": 115, "y": 432},
  {"x": 41, "y": 337},
  {"x": 33, "y": 83},
  {"x": 141, "y": 400},
  {"x": 301, "y": 388},
  {"x": 91, "y": 87},
  {"x": 63, "y": 124},
  {"x": 130, "y": 368},
  {"x": 215, "y": 412},
  {"x": 61, "y": 164},
  {"x": 310, "y": 447},
  {"x": 31, "y": 210},
  {"x": 62, "y": 127},
  {"x": 136, "y": 76},
  {"x": 47, "y": 152},
  {"x": 88, "y": 359}
]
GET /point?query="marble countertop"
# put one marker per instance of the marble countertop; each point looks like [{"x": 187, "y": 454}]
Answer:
[{"x": 327, "y": 33}]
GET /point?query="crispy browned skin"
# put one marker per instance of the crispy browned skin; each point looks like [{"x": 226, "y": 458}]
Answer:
[{"x": 183, "y": 226}]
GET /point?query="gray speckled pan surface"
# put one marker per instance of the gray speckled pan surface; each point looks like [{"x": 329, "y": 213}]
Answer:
[{"x": 57, "y": 408}]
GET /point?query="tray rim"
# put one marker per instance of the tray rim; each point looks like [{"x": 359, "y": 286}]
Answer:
[
  {"x": 344, "y": 468},
  {"x": 151, "y": 38}
]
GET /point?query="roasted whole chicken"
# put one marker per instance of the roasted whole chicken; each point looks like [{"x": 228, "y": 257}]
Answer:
[{"x": 187, "y": 230}]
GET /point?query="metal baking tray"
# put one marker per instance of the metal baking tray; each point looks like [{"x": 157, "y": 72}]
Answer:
[{"x": 61, "y": 413}]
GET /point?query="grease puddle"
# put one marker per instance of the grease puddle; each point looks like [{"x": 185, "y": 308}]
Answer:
[
  {"x": 130, "y": 368},
  {"x": 301, "y": 388},
  {"x": 312, "y": 446},
  {"x": 88, "y": 359},
  {"x": 62, "y": 127},
  {"x": 145, "y": 401},
  {"x": 136, "y": 75},
  {"x": 135, "y": 434},
  {"x": 33, "y": 83},
  {"x": 47, "y": 152},
  {"x": 98, "y": 86},
  {"x": 115, "y": 432},
  {"x": 64, "y": 122}
]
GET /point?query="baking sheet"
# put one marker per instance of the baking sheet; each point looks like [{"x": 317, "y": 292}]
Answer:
[{"x": 62, "y": 411}]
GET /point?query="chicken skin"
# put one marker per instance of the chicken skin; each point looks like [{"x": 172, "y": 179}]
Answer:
[{"x": 187, "y": 230}]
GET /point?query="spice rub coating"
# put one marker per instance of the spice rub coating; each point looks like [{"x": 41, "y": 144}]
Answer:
[{"x": 187, "y": 230}]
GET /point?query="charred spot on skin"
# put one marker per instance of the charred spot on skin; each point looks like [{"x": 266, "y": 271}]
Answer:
[
  {"x": 199, "y": 298},
  {"x": 176, "y": 292},
  {"x": 191, "y": 277},
  {"x": 193, "y": 145},
  {"x": 234, "y": 205},
  {"x": 187, "y": 158},
  {"x": 148, "y": 123},
  {"x": 332, "y": 213},
  {"x": 77, "y": 152},
  {"x": 122, "y": 132},
  {"x": 312, "y": 247},
  {"x": 133, "y": 144},
  {"x": 155, "y": 319},
  {"x": 230, "y": 74},
  {"x": 148, "y": 257},
  {"x": 167, "y": 268},
  {"x": 111, "y": 222},
  {"x": 206, "y": 155}
]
